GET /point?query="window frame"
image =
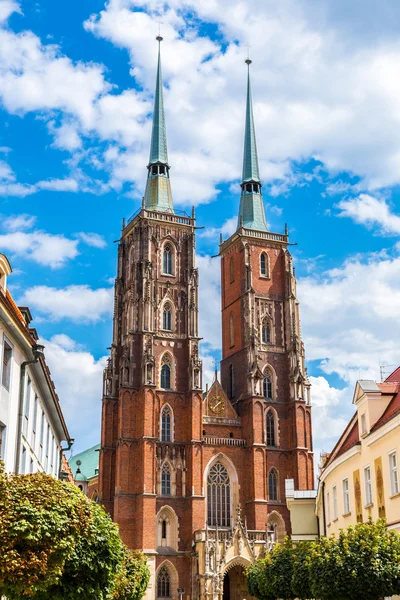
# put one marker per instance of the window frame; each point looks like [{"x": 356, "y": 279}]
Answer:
[
  {"x": 335, "y": 503},
  {"x": 346, "y": 496},
  {"x": 168, "y": 259},
  {"x": 273, "y": 477},
  {"x": 363, "y": 423},
  {"x": 164, "y": 583},
  {"x": 267, "y": 329},
  {"x": 27, "y": 406},
  {"x": 328, "y": 507},
  {"x": 268, "y": 429},
  {"x": 166, "y": 429},
  {"x": 394, "y": 473},
  {"x": 264, "y": 265},
  {"x": 167, "y": 317},
  {"x": 7, "y": 364},
  {"x": 268, "y": 388},
  {"x": 166, "y": 480},
  {"x": 368, "y": 486}
]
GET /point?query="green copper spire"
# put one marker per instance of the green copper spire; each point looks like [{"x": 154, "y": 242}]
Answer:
[
  {"x": 251, "y": 211},
  {"x": 158, "y": 194}
]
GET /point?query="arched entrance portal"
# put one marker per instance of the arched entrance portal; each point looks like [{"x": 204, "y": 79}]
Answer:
[{"x": 235, "y": 585}]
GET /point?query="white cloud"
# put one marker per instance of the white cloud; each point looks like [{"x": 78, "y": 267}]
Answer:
[
  {"x": 327, "y": 403},
  {"x": 92, "y": 239},
  {"x": 41, "y": 247},
  {"x": 7, "y": 7},
  {"x": 209, "y": 300},
  {"x": 18, "y": 222},
  {"x": 370, "y": 211},
  {"x": 79, "y": 303},
  {"x": 350, "y": 316},
  {"x": 227, "y": 228},
  {"x": 77, "y": 375}
]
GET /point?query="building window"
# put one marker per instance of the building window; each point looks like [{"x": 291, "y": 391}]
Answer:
[
  {"x": 335, "y": 504},
  {"x": 166, "y": 480},
  {"x": 218, "y": 496},
  {"x": 231, "y": 383},
  {"x": 27, "y": 407},
  {"x": 266, "y": 332},
  {"x": 34, "y": 421},
  {"x": 363, "y": 424},
  {"x": 52, "y": 453},
  {"x": 163, "y": 584},
  {"x": 271, "y": 441},
  {"x": 41, "y": 437},
  {"x": 47, "y": 447},
  {"x": 231, "y": 331},
  {"x": 166, "y": 424},
  {"x": 2, "y": 441},
  {"x": 167, "y": 260},
  {"x": 267, "y": 387},
  {"x": 394, "y": 473},
  {"x": 7, "y": 355},
  {"x": 273, "y": 485},
  {"x": 231, "y": 270},
  {"x": 328, "y": 507},
  {"x": 164, "y": 529},
  {"x": 368, "y": 486},
  {"x": 264, "y": 271},
  {"x": 166, "y": 377},
  {"x": 167, "y": 317},
  {"x": 346, "y": 497}
]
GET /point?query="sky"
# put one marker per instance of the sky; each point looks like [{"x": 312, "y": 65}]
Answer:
[{"x": 76, "y": 92}]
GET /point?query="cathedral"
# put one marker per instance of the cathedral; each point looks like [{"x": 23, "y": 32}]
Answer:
[{"x": 196, "y": 479}]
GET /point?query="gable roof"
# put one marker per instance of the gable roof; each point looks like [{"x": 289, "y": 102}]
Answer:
[
  {"x": 394, "y": 377},
  {"x": 391, "y": 411}
]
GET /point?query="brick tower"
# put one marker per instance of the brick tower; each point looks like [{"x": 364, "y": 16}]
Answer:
[{"x": 196, "y": 480}]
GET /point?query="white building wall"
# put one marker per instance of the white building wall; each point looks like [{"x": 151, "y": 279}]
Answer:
[
  {"x": 36, "y": 453},
  {"x": 9, "y": 399}
]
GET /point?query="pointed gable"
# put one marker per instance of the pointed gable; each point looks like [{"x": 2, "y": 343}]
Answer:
[{"x": 217, "y": 406}]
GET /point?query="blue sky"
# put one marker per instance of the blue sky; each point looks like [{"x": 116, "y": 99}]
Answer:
[{"x": 76, "y": 92}]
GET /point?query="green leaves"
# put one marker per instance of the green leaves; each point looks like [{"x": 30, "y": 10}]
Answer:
[
  {"x": 56, "y": 544},
  {"x": 363, "y": 562}
]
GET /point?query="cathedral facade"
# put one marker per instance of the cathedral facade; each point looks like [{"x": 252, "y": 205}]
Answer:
[{"x": 197, "y": 479}]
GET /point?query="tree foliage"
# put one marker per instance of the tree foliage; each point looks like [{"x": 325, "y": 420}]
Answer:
[
  {"x": 56, "y": 544},
  {"x": 363, "y": 562},
  {"x": 133, "y": 577}
]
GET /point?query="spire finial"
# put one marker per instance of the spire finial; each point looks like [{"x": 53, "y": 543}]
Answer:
[
  {"x": 158, "y": 189},
  {"x": 251, "y": 213}
]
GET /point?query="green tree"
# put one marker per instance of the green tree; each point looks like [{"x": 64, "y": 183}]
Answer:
[
  {"x": 301, "y": 584},
  {"x": 257, "y": 576},
  {"x": 132, "y": 579},
  {"x": 363, "y": 562},
  {"x": 40, "y": 520},
  {"x": 57, "y": 544},
  {"x": 271, "y": 577},
  {"x": 90, "y": 569}
]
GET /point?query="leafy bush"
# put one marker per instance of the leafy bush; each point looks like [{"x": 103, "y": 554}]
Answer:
[{"x": 56, "y": 544}]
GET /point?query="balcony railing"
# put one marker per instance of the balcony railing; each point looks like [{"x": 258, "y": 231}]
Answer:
[
  {"x": 223, "y": 441},
  {"x": 179, "y": 216}
]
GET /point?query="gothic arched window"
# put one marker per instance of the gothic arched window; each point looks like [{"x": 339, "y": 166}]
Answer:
[
  {"x": 266, "y": 331},
  {"x": 163, "y": 584},
  {"x": 231, "y": 330},
  {"x": 231, "y": 383},
  {"x": 165, "y": 379},
  {"x": 267, "y": 387},
  {"x": 273, "y": 485},
  {"x": 231, "y": 270},
  {"x": 167, "y": 260},
  {"x": 166, "y": 418},
  {"x": 218, "y": 496},
  {"x": 166, "y": 480},
  {"x": 164, "y": 530},
  {"x": 167, "y": 317},
  {"x": 264, "y": 270},
  {"x": 271, "y": 441}
]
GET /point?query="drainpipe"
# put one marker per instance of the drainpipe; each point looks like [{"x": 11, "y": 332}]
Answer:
[
  {"x": 323, "y": 506},
  {"x": 37, "y": 353},
  {"x": 70, "y": 443}
]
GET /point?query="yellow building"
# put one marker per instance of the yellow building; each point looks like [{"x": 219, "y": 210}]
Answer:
[{"x": 360, "y": 477}]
